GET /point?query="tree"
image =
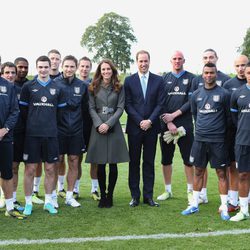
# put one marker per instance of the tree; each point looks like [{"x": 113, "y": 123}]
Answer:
[
  {"x": 245, "y": 47},
  {"x": 111, "y": 37}
]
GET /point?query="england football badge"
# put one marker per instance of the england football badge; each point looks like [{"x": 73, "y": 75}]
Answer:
[
  {"x": 176, "y": 89},
  {"x": 207, "y": 106},
  {"x": 185, "y": 81},
  {"x": 216, "y": 98},
  {"x": 3, "y": 89},
  {"x": 218, "y": 83},
  {"x": 44, "y": 99},
  {"x": 52, "y": 91},
  {"x": 77, "y": 90}
]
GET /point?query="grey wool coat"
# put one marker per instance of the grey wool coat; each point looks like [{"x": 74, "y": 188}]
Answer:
[{"x": 110, "y": 147}]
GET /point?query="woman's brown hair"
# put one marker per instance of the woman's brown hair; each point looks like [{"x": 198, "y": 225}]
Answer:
[{"x": 97, "y": 80}]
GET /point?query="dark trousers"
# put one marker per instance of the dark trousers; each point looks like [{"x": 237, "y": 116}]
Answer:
[
  {"x": 144, "y": 143},
  {"x": 101, "y": 173}
]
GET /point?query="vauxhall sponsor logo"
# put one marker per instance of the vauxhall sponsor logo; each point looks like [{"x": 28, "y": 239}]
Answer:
[
  {"x": 176, "y": 91},
  {"x": 43, "y": 102},
  {"x": 246, "y": 110},
  {"x": 207, "y": 109}
]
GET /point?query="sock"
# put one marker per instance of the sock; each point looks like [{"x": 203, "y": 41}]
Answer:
[
  {"x": 28, "y": 200},
  {"x": 196, "y": 195},
  {"x": 69, "y": 195},
  {"x": 48, "y": 198},
  {"x": 54, "y": 195},
  {"x": 37, "y": 181},
  {"x": 223, "y": 198},
  {"x": 233, "y": 199},
  {"x": 94, "y": 183},
  {"x": 60, "y": 182},
  {"x": 76, "y": 187},
  {"x": 189, "y": 188},
  {"x": 203, "y": 192},
  {"x": 2, "y": 194},
  {"x": 243, "y": 204},
  {"x": 168, "y": 188},
  {"x": 9, "y": 204},
  {"x": 14, "y": 196}
]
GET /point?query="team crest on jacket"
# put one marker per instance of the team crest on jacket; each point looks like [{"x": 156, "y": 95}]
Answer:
[
  {"x": 77, "y": 90},
  {"x": 44, "y": 99},
  {"x": 176, "y": 88},
  {"x": 185, "y": 81},
  {"x": 3, "y": 89},
  {"x": 216, "y": 98},
  {"x": 52, "y": 91}
]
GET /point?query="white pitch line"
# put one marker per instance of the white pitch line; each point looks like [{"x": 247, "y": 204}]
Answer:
[{"x": 127, "y": 237}]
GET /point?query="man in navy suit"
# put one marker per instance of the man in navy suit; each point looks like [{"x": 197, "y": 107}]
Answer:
[{"x": 143, "y": 104}]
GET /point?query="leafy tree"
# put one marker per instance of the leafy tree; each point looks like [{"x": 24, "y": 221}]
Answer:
[
  {"x": 111, "y": 37},
  {"x": 245, "y": 47}
]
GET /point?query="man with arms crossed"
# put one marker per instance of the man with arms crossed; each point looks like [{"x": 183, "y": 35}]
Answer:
[
  {"x": 231, "y": 85},
  {"x": 240, "y": 108},
  {"x": 8, "y": 117},
  {"x": 210, "y": 108}
]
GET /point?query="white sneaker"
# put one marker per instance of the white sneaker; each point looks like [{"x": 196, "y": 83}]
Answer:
[
  {"x": 203, "y": 200},
  {"x": 166, "y": 195},
  {"x": 72, "y": 202},
  {"x": 55, "y": 202},
  {"x": 2, "y": 202},
  {"x": 239, "y": 217}
]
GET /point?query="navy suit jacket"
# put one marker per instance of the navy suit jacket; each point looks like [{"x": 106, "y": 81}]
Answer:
[{"x": 139, "y": 108}]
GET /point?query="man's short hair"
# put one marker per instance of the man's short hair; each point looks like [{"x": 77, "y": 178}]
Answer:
[
  {"x": 85, "y": 58},
  {"x": 54, "y": 51},
  {"x": 142, "y": 52},
  {"x": 210, "y": 65},
  {"x": 20, "y": 59},
  {"x": 70, "y": 58},
  {"x": 8, "y": 64},
  {"x": 211, "y": 50},
  {"x": 43, "y": 59}
]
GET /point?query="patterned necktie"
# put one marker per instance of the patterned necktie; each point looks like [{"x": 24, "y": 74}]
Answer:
[{"x": 143, "y": 85}]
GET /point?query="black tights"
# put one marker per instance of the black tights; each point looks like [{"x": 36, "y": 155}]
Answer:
[{"x": 101, "y": 173}]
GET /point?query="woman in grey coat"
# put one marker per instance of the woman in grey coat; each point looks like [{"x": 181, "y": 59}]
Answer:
[{"x": 107, "y": 143}]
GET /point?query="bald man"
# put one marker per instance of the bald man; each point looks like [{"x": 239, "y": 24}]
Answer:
[
  {"x": 231, "y": 85},
  {"x": 176, "y": 113}
]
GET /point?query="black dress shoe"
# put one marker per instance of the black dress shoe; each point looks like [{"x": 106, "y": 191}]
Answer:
[
  {"x": 150, "y": 202},
  {"x": 134, "y": 202}
]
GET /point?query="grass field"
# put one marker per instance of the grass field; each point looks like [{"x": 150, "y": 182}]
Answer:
[{"x": 121, "y": 220}]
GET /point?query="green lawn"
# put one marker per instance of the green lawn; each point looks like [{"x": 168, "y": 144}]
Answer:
[{"x": 91, "y": 221}]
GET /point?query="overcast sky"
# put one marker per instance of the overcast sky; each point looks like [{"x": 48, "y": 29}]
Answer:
[{"x": 30, "y": 28}]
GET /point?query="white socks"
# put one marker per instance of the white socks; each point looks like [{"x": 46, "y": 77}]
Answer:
[
  {"x": 9, "y": 204},
  {"x": 60, "y": 182},
  {"x": 196, "y": 195},
  {"x": 37, "y": 181},
  {"x": 94, "y": 186},
  {"x": 243, "y": 204},
  {"x": 168, "y": 188},
  {"x": 77, "y": 186}
]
